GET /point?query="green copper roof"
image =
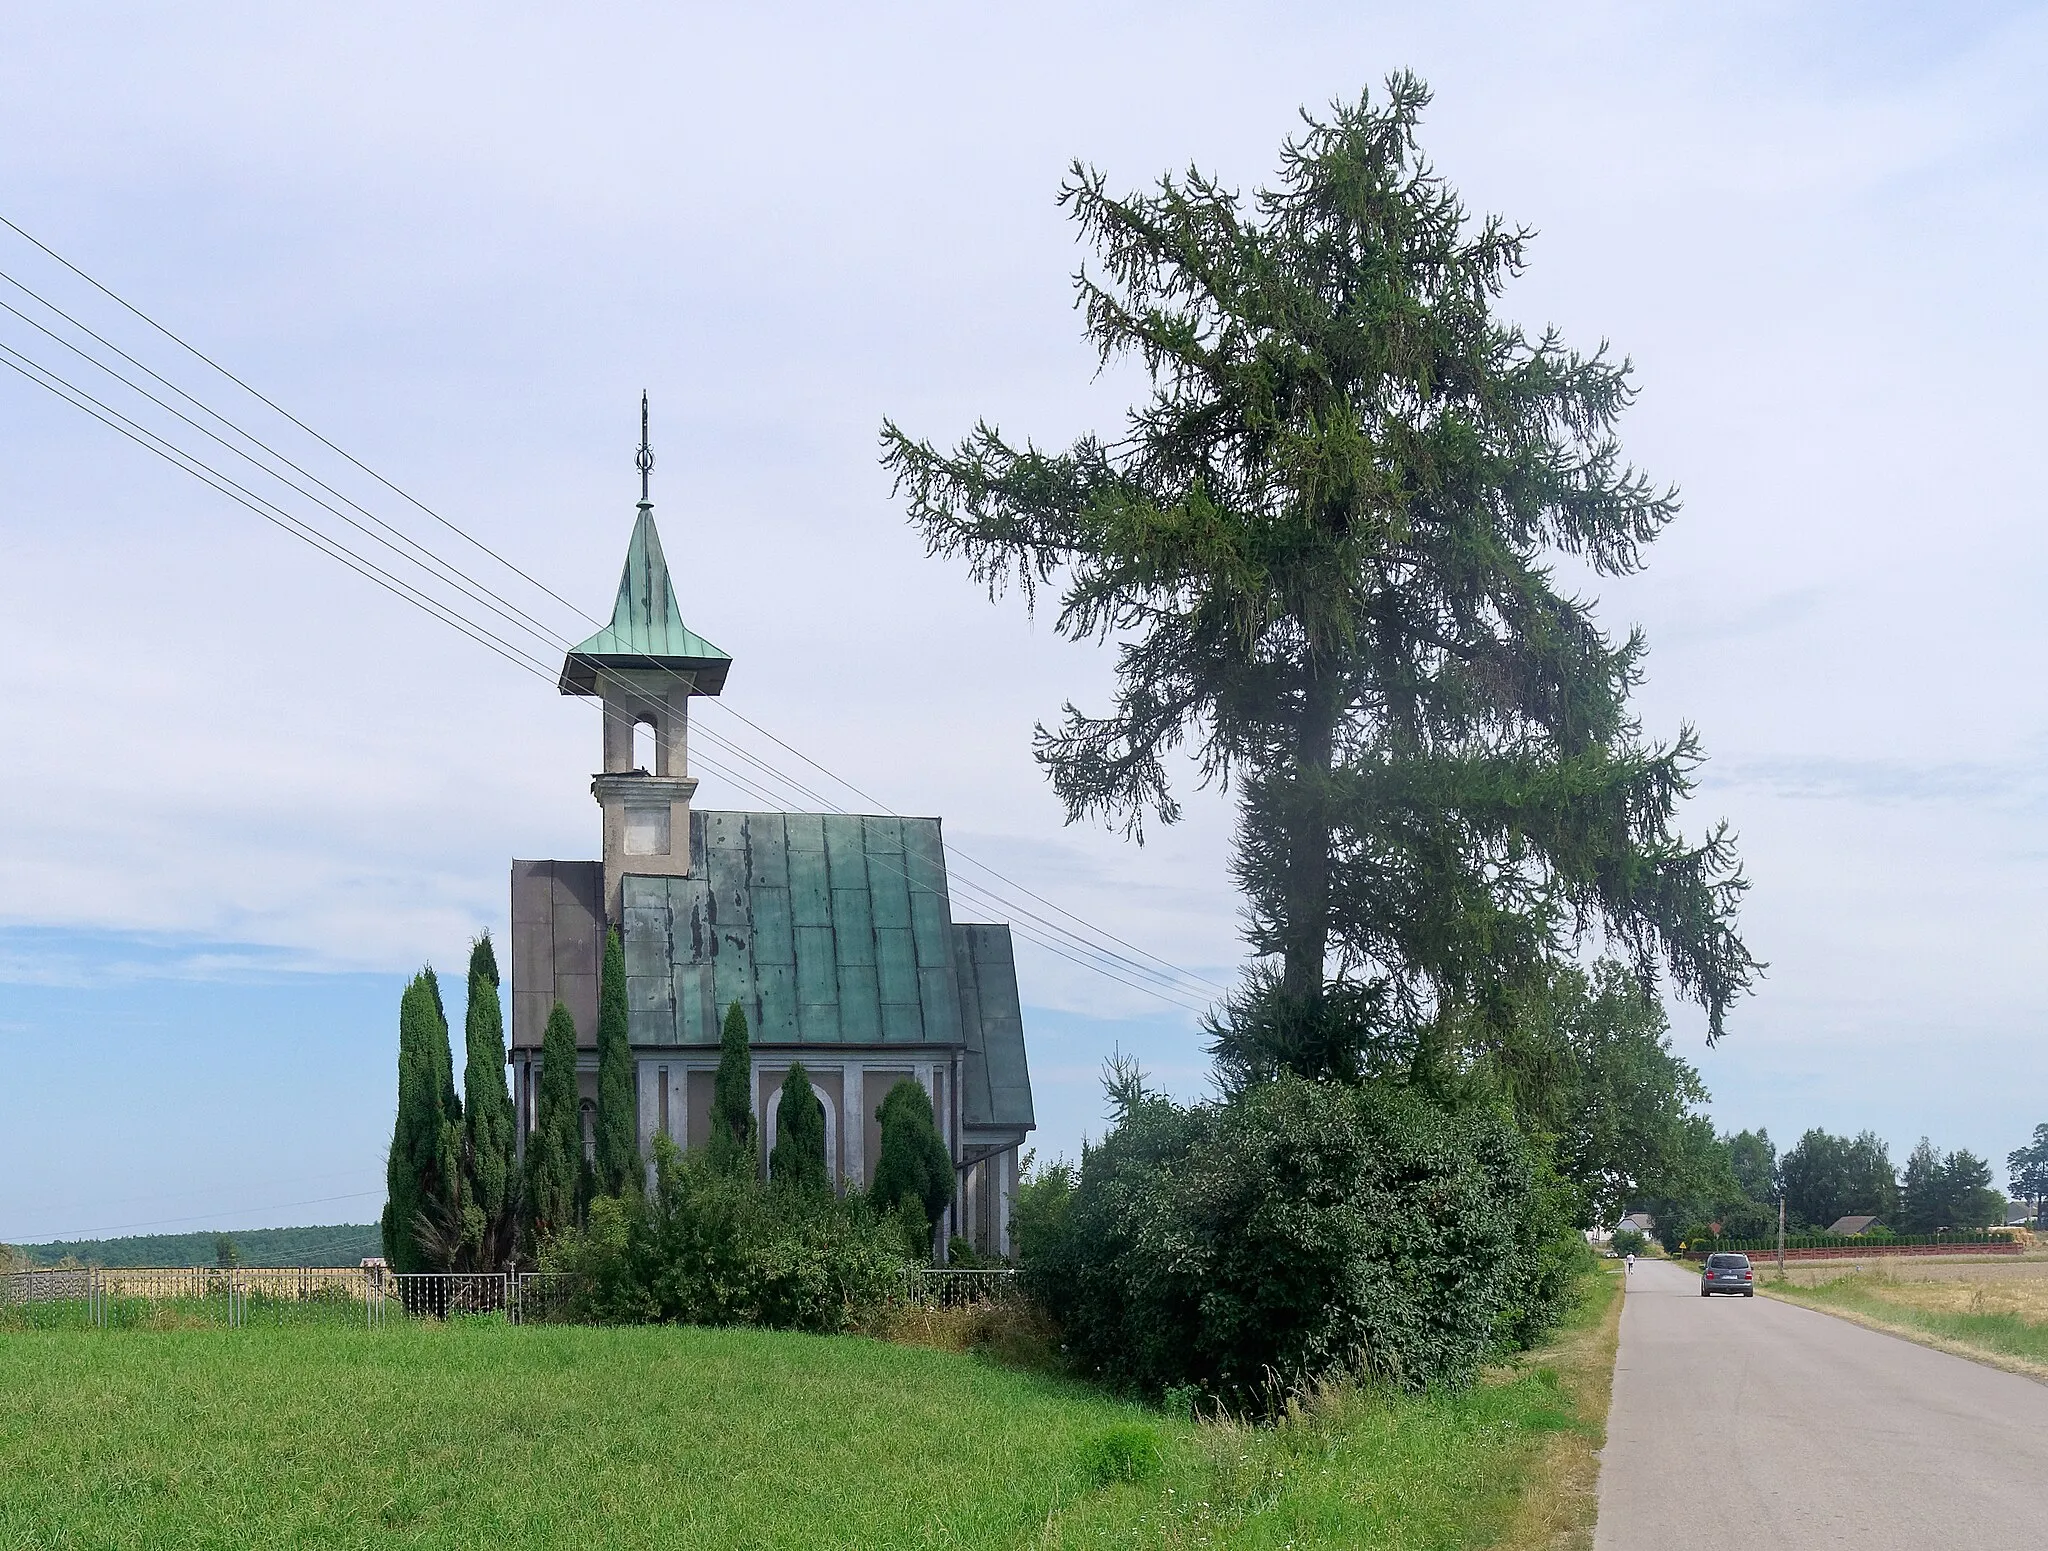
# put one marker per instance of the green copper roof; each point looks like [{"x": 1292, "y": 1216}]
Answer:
[{"x": 647, "y": 629}]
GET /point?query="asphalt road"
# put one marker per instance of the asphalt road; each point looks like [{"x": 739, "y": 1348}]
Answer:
[{"x": 1749, "y": 1421}]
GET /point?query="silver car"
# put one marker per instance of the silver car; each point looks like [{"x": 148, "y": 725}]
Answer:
[{"x": 1727, "y": 1274}]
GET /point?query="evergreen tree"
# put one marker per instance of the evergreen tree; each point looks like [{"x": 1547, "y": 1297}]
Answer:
[
  {"x": 914, "y": 1173},
  {"x": 1327, "y": 545},
  {"x": 490, "y": 1141},
  {"x": 618, "y": 1168},
  {"x": 2027, "y": 1168},
  {"x": 423, "y": 1168},
  {"x": 1922, "y": 1209},
  {"x": 798, "y": 1159},
  {"x": 554, "y": 1151},
  {"x": 732, "y": 1102}
]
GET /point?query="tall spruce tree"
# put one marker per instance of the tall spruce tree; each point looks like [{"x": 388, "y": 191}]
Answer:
[
  {"x": 618, "y": 1167},
  {"x": 732, "y": 1101},
  {"x": 554, "y": 1151},
  {"x": 914, "y": 1172},
  {"x": 1325, "y": 548},
  {"x": 423, "y": 1168},
  {"x": 797, "y": 1160},
  {"x": 490, "y": 1144},
  {"x": 2027, "y": 1171}
]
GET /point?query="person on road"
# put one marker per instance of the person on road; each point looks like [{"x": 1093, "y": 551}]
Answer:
[{"x": 1630, "y": 1264}]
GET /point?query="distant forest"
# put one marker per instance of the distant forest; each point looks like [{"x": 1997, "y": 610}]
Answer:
[{"x": 341, "y": 1244}]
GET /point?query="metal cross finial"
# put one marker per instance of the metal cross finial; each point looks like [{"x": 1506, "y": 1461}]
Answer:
[{"x": 643, "y": 460}]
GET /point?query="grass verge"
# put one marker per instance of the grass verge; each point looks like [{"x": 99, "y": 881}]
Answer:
[
  {"x": 1512, "y": 1463},
  {"x": 476, "y": 1433},
  {"x": 2003, "y": 1323}
]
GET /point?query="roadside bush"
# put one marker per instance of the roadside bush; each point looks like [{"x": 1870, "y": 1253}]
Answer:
[
  {"x": 710, "y": 1247},
  {"x": 1295, "y": 1232},
  {"x": 1628, "y": 1241}
]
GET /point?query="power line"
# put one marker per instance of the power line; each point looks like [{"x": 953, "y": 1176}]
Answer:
[
  {"x": 520, "y": 618},
  {"x": 278, "y": 517},
  {"x": 480, "y": 593}
]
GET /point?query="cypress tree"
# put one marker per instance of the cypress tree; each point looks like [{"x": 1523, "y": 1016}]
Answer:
[
  {"x": 618, "y": 1119},
  {"x": 490, "y": 1182},
  {"x": 732, "y": 1103},
  {"x": 422, "y": 1170},
  {"x": 798, "y": 1160},
  {"x": 554, "y": 1152},
  {"x": 914, "y": 1173}
]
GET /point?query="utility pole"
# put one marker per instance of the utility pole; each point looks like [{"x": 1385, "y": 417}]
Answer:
[{"x": 1781, "y": 1238}]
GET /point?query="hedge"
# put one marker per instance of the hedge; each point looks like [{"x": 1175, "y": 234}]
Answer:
[{"x": 1769, "y": 1246}]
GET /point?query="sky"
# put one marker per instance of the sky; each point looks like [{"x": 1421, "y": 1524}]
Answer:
[{"x": 244, "y": 793}]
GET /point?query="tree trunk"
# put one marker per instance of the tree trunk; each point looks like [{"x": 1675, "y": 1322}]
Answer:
[{"x": 1306, "y": 948}]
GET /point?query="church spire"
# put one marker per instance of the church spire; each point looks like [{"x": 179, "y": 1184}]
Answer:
[{"x": 643, "y": 460}]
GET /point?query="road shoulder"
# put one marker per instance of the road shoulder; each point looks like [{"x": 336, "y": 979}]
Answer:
[{"x": 1560, "y": 1501}]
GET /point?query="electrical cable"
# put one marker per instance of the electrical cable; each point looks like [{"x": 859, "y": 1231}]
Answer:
[
  {"x": 213, "y": 479},
  {"x": 278, "y": 517},
  {"x": 480, "y": 593}
]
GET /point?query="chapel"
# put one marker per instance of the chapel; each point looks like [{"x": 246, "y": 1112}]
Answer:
[{"x": 834, "y": 932}]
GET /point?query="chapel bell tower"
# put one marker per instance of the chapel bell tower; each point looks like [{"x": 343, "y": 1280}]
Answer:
[{"x": 644, "y": 666}]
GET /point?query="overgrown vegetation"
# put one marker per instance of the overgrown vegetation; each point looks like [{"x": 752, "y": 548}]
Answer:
[
  {"x": 1294, "y": 1234},
  {"x": 709, "y": 1246}
]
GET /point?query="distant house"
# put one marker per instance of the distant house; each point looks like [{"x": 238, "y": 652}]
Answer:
[
  {"x": 1852, "y": 1227},
  {"x": 1642, "y": 1222}
]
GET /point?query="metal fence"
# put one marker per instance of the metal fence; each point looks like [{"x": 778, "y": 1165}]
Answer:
[
  {"x": 172, "y": 1297},
  {"x": 945, "y": 1287}
]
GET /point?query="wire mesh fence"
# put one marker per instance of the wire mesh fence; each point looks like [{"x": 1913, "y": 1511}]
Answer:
[
  {"x": 187, "y": 1297},
  {"x": 948, "y": 1287}
]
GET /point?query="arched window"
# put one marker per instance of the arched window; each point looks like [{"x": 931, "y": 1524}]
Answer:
[
  {"x": 831, "y": 1128},
  {"x": 589, "y": 1114},
  {"x": 646, "y": 748}
]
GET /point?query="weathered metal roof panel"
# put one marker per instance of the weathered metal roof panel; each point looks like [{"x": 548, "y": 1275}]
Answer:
[
  {"x": 827, "y": 929},
  {"x": 646, "y": 629}
]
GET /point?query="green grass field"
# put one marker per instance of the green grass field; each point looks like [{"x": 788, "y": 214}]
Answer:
[{"x": 477, "y": 1434}]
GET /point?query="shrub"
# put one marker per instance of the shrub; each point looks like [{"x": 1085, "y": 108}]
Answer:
[
  {"x": 798, "y": 1161},
  {"x": 1295, "y": 1231},
  {"x": 710, "y": 1247},
  {"x": 914, "y": 1172},
  {"x": 732, "y": 1099},
  {"x": 1628, "y": 1241}
]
